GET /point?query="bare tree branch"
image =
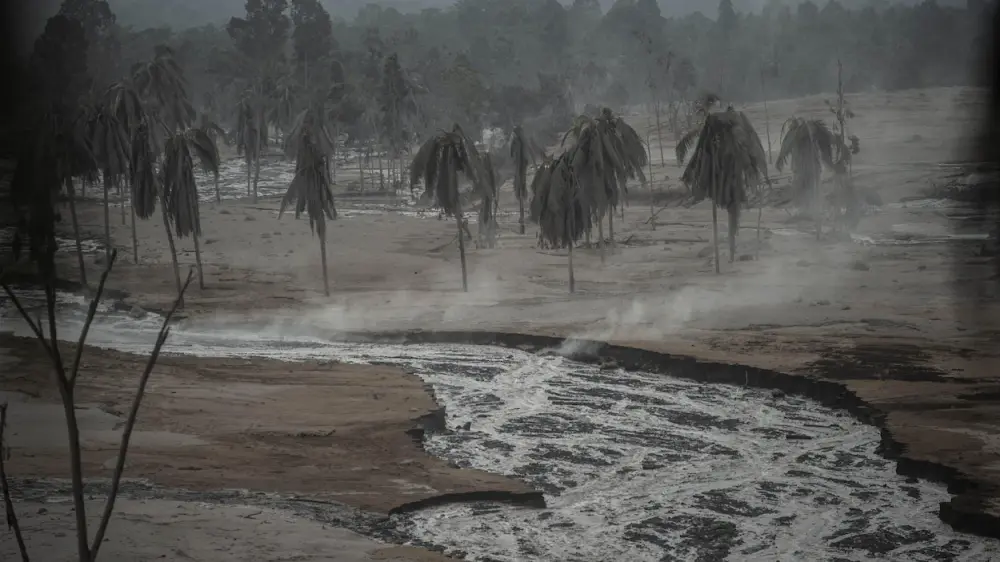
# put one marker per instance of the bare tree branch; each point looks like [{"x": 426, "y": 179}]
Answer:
[
  {"x": 130, "y": 423},
  {"x": 72, "y": 429},
  {"x": 90, "y": 318},
  {"x": 8, "y": 503}
]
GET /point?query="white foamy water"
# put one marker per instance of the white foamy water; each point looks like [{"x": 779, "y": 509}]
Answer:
[{"x": 635, "y": 466}]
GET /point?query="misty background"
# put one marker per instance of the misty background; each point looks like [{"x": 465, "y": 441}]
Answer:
[
  {"x": 493, "y": 63},
  {"x": 180, "y": 14}
]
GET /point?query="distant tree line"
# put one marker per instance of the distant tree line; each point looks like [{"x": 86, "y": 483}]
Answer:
[{"x": 501, "y": 62}]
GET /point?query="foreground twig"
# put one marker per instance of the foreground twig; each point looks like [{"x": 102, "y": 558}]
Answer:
[
  {"x": 65, "y": 382},
  {"x": 8, "y": 503},
  {"x": 161, "y": 338},
  {"x": 90, "y": 318}
]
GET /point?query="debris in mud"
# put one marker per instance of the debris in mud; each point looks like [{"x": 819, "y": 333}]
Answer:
[{"x": 870, "y": 362}]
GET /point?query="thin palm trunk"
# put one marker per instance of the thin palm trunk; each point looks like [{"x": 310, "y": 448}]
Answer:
[
  {"x": 659, "y": 135},
  {"x": 715, "y": 235},
  {"x": 760, "y": 211},
  {"x": 218, "y": 195},
  {"x": 361, "y": 168},
  {"x": 734, "y": 228},
  {"x": 403, "y": 157},
  {"x": 819, "y": 210},
  {"x": 391, "y": 169},
  {"x": 767, "y": 117},
  {"x": 461, "y": 251},
  {"x": 135, "y": 239},
  {"x": 256, "y": 172},
  {"x": 76, "y": 230},
  {"x": 649, "y": 163},
  {"x": 197, "y": 259},
  {"x": 322, "y": 250},
  {"x": 333, "y": 157},
  {"x": 600, "y": 237},
  {"x": 572, "y": 278},
  {"x": 520, "y": 205},
  {"x": 121, "y": 198},
  {"x": 611, "y": 228},
  {"x": 249, "y": 184},
  {"x": 107, "y": 216},
  {"x": 381, "y": 170},
  {"x": 173, "y": 251}
]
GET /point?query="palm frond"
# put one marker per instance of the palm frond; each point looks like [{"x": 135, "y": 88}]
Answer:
[
  {"x": 556, "y": 204},
  {"x": 143, "y": 180},
  {"x": 180, "y": 190},
  {"x": 310, "y": 189},
  {"x": 686, "y": 143},
  {"x": 809, "y": 145},
  {"x": 726, "y": 162},
  {"x": 439, "y": 161}
]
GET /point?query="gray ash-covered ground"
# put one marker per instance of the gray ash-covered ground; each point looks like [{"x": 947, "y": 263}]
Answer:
[{"x": 635, "y": 466}]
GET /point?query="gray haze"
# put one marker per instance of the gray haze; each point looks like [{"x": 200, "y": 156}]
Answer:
[{"x": 181, "y": 14}]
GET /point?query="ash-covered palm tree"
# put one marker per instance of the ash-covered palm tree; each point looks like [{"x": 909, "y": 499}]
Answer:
[
  {"x": 522, "y": 151},
  {"x": 557, "y": 206},
  {"x": 125, "y": 102},
  {"x": 310, "y": 191},
  {"x": 727, "y": 162},
  {"x": 110, "y": 145},
  {"x": 251, "y": 136},
  {"x": 152, "y": 103},
  {"x": 216, "y": 133},
  {"x": 607, "y": 152},
  {"x": 438, "y": 163},
  {"x": 810, "y": 145},
  {"x": 180, "y": 190},
  {"x": 280, "y": 107},
  {"x": 161, "y": 81},
  {"x": 488, "y": 206}
]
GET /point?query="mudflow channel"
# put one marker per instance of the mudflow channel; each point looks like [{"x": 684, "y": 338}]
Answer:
[{"x": 635, "y": 466}]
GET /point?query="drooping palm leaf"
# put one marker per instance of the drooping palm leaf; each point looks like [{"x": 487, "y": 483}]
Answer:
[
  {"x": 281, "y": 104},
  {"x": 144, "y": 183},
  {"x": 488, "y": 204},
  {"x": 523, "y": 151},
  {"x": 162, "y": 80},
  {"x": 556, "y": 204},
  {"x": 606, "y": 153},
  {"x": 310, "y": 190},
  {"x": 809, "y": 145},
  {"x": 251, "y": 130},
  {"x": 727, "y": 161},
  {"x": 314, "y": 119},
  {"x": 437, "y": 163},
  {"x": 110, "y": 141},
  {"x": 180, "y": 190}
]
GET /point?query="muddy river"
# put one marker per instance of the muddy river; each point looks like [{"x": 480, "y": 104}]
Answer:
[{"x": 635, "y": 466}]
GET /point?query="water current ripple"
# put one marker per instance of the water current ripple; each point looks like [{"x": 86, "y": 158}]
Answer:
[{"x": 635, "y": 466}]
